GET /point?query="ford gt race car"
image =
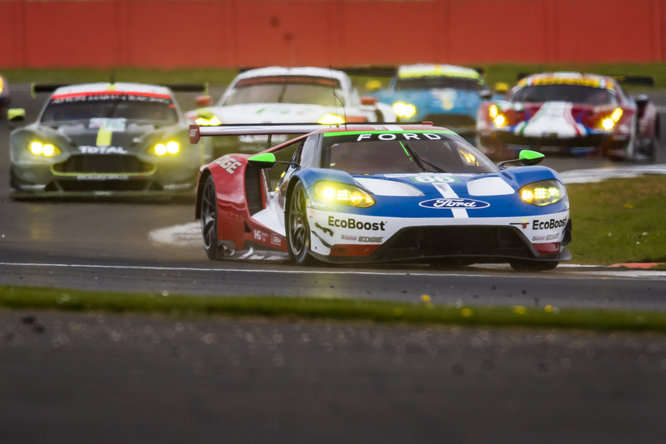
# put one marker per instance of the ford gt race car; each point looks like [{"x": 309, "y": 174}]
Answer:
[
  {"x": 373, "y": 193},
  {"x": 570, "y": 113},
  {"x": 104, "y": 138},
  {"x": 4, "y": 97},
  {"x": 446, "y": 95},
  {"x": 280, "y": 95}
]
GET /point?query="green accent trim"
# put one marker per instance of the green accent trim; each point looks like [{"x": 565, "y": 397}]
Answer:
[
  {"x": 263, "y": 157},
  {"x": 104, "y": 136},
  {"x": 354, "y": 133},
  {"x": 530, "y": 155}
]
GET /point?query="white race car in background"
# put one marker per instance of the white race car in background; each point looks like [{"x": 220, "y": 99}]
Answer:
[{"x": 287, "y": 95}]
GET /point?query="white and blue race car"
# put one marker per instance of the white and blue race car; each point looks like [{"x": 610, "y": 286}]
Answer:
[{"x": 380, "y": 192}]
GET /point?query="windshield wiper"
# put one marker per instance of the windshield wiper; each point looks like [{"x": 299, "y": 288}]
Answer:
[{"x": 420, "y": 161}]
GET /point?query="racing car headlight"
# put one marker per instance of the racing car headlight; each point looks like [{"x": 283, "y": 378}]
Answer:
[
  {"x": 496, "y": 116},
  {"x": 542, "y": 193},
  {"x": 608, "y": 123},
  {"x": 404, "y": 110},
  {"x": 331, "y": 119},
  {"x": 342, "y": 193},
  {"x": 171, "y": 147},
  {"x": 44, "y": 149}
]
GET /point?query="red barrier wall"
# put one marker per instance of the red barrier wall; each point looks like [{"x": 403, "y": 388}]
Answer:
[{"x": 233, "y": 33}]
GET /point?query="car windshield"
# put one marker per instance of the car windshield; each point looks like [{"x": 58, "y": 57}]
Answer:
[
  {"x": 382, "y": 153},
  {"x": 130, "y": 107},
  {"x": 566, "y": 93},
  {"x": 440, "y": 82},
  {"x": 286, "y": 89}
]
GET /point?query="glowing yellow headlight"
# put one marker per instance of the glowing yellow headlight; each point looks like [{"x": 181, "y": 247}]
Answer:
[
  {"x": 171, "y": 147},
  {"x": 43, "y": 149},
  {"x": 342, "y": 193},
  {"x": 609, "y": 122},
  {"x": 493, "y": 111},
  {"x": 331, "y": 119},
  {"x": 499, "y": 121},
  {"x": 404, "y": 110},
  {"x": 542, "y": 193}
]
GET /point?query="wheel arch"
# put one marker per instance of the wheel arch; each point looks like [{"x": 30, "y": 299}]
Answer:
[{"x": 203, "y": 176}]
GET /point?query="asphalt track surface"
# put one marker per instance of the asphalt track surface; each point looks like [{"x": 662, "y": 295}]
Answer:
[{"x": 83, "y": 378}]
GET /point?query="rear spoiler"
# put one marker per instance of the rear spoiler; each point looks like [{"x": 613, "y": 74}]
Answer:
[
  {"x": 197, "y": 131},
  {"x": 176, "y": 87},
  {"x": 635, "y": 80},
  {"x": 243, "y": 129}
]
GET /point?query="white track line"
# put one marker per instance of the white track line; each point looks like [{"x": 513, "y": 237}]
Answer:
[{"x": 627, "y": 274}]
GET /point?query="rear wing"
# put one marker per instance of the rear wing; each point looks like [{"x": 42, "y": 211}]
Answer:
[
  {"x": 196, "y": 131},
  {"x": 36, "y": 88},
  {"x": 635, "y": 80}
]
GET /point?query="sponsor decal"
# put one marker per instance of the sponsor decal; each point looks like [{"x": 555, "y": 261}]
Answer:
[
  {"x": 275, "y": 239},
  {"x": 113, "y": 125},
  {"x": 260, "y": 236},
  {"x": 354, "y": 224},
  {"x": 454, "y": 202},
  {"x": 229, "y": 164},
  {"x": 398, "y": 136},
  {"x": 102, "y": 177},
  {"x": 434, "y": 178},
  {"x": 550, "y": 224},
  {"x": 84, "y": 149},
  {"x": 348, "y": 237},
  {"x": 373, "y": 239}
]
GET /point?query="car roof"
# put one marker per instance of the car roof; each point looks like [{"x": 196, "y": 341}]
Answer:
[
  {"x": 311, "y": 71},
  {"x": 436, "y": 70},
  {"x": 571, "y": 78},
  {"x": 122, "y": 87}
]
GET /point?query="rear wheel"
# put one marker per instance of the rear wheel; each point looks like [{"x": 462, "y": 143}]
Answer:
[
  {"x": 209, "y": 219},
  {"x": 298, "y": 230},
  {"x": 533, "y": 265}
]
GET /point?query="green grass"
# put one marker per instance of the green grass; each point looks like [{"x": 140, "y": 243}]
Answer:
[
  {"x": 619, "y": 220},
  {"x": 494, "y": 73},
  {"x": 424, "y": 313}
]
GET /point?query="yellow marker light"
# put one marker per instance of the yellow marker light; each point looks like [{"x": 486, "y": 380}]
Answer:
[
  {"x": 160, "y": 149},
  {"x": 36, "y": 148},
  {"x": 499, "y": 121},
  {"x": 493, "y": 111},
  {"x": 616, "y": 114},
  {"x": 48, "y": 150},
  {"x": 331, "y": 119},
  {"x": 404, "y": 110},
  {"x": 172, "y": 147},
  {"x": 542, "y": 193},
  {"x": 342, "y": 193},
  {"x": 609, "y": 122}
]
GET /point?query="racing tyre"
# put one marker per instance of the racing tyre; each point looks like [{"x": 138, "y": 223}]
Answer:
[
  {"x": 533, "y": 265},
  {"x": 298, "y": 230},
  {"x": 209, "y": 219}
]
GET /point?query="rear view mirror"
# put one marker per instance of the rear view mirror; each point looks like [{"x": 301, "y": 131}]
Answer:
[
  {"x": 263, "y": 160},
  {"x": 529, "y": 157},
  {"x": 203, "y": 101},
  {"x": 368, "y": 101},
  {"x": 16, "y": 114}
]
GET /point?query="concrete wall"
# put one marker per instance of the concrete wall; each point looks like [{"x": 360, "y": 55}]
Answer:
[{"x": 233, "y": 33}]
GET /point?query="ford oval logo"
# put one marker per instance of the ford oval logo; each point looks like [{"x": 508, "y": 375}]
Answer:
[{"x": 448, "y": 203}]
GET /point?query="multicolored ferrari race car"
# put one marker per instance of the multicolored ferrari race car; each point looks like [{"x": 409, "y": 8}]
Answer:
[
  {"x": 101, "y": 139},
  {"x": 446, "y": 95},
  {"x": 372, "y": 193},
  {"x": 5, "y": 98},
  {"x": 284, "y": 95},
  {"x": 571, "y": 113}
]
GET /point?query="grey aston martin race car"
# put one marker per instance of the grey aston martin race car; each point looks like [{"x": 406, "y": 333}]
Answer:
[{"x": 104, "y": 139}]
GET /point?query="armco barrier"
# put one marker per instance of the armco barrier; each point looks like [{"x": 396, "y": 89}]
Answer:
[{"x": 232, "y": 33}]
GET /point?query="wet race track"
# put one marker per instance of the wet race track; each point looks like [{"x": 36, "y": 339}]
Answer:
[{"x": 249, "y": 380}]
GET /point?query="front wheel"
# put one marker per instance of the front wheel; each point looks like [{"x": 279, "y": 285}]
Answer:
[
  {"x": 298, "y": 230},
  {"x": 209, "y": 219},
  {"x": 520, "y": 265}
]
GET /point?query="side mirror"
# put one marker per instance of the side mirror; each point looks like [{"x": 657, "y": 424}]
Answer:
[
  {"x": 485, "y": 94},
  {"x": 202, "y": 101},
  {"x": 526, "y": 157},
  {"x": 529, "y": 157},
  {"x": 373, "y": 85},
  {"x": 371, "y": 101},
  {"x": 16, "y": 115},
  {"x": 641, "y": 103},
  {"x": 263, "y": 160}
]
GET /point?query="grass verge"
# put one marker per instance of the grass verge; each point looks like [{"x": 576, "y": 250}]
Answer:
[
  {"x": 424, "y": 313},
  {"x": 619, "y": 221}
]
